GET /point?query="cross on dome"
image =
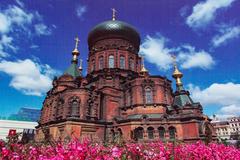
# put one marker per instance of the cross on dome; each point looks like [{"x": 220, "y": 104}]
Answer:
[
  {"x": 114, "y": 11},
  {"x": 77, "y": 41}
]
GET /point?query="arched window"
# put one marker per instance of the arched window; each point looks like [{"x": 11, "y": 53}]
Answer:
[
  {"x": 172, "y": 133},
  {"x": 131, "y": 64},
  {"x": 119, "y": 135},
  {"x": 150, "y": 131},
  {"x": 111, "y": 61},
  {"x": 122, "y": 62},
  {"x": 93, "y": 65},
  {"x": 120, "y": 131},
  {"x": 75, "y": 109},
  {"x": 113, "y": 135},
  {"x": 161, "y": 132},
  {"x": 128, "y": 99},
  {"x": 148, "y": 95},
  {"x": 138, "y": 133},
  {"x": 100, "y": 63}
]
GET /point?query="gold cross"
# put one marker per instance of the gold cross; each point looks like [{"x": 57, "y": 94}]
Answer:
[
  {"x": 77, "y": 41},
  {"x": 114, "y": 14}
]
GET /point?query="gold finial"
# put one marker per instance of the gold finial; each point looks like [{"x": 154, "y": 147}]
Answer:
[
  {"x": 176, "y": 73},
  {"x": 114, "y": 14},
  {"x": 75, "y": 52},
  {"x": 143, "y": 69}
]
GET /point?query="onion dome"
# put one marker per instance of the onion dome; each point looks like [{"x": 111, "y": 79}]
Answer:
[
  {"x": 114, "y": 29},
  {"x": 177, "y": 75},
  {"x": 181, "y": 96}
]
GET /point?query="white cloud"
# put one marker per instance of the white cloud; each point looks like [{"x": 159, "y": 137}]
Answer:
[
  {"x": 18, "y": 16},
  {"x": 224, "y": 95},
  {"x": 205, "y": 11},
  {"x": 81, "y": 10},
  {"x": 226, "y": 33},
  {"x": 15, "y": 21},
  {"x": 190, "y": 58},
  {"x": 29, "y": 77},
  {"x": 34, "y": 46},
  {"x": 21, "y": 4},
  {"x": 42, "y": 29},
  {"x": 4, "y": 23},
  {"x": 231, "y": 109},
  {"x": 5, "y": 42},
  {"x": 156, "y": 51}
]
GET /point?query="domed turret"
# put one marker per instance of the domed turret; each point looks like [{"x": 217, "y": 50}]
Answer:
[
  {"x": 114, "y": 29},
  {"x": 112, "y": 45}
]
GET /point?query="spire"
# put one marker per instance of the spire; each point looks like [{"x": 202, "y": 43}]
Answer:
[
  {"x": 73, "y": 69},
  {"x": 143, "y": 69},
  {"x": 80, "y": 67},
  {"x": 177, "y": 74},
  {"x": 181, "y": 96},
  {"x": 114, "y": 14},
  {"x": 75, "y": 52}
]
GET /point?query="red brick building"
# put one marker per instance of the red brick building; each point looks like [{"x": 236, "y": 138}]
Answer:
[{"x": 118, "y": 98}]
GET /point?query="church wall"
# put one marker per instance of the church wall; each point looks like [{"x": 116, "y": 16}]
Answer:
[
  {"x": 113, "y": 98},
  {"x": 93, "y": 61},
  {"x": 149, "y": 109},
  {"x": 190, "y": 130}
]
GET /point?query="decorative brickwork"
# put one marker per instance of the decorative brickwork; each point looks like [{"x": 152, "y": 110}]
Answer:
[{"x": 117, "y": 99}]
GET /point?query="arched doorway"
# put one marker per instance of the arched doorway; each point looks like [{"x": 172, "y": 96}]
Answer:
[
  {"x": 150, "y": 131},
  {"x": 161, "y": 133},
  {"x": 138, "y": 133},
  {"x": 172, "y": 133}
]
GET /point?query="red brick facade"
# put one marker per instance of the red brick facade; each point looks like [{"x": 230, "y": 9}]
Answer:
[{"x": 117, "y": 100}]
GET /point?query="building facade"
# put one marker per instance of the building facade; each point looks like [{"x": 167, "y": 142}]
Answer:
[
  {"x": 118, "y": 98},
  {"x": 228, "y": 129},
  {"x": 19, "y": 126},
  {"x": 222, "y": 130},
  {"x": 234, "y": 125}
]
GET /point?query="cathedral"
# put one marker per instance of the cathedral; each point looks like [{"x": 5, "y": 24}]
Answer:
[{"x": 118, "y": 98}]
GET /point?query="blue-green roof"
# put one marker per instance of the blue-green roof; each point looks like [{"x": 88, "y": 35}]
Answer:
[
  {"x": 182, "y": 99},
  {"x": 73, "y": 70}
]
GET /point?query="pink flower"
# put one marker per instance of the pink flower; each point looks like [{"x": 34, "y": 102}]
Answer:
[{"x": 116, "y": 152}]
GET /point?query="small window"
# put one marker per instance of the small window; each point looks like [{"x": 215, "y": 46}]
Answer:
[
  {"x": 128, "y": 99},
  {"x": 138, "y": 133},
  {"x": 148, "y": 94},
  {"x": 100, "y": 63},
  {"x": 122, "y": 62},
  {"x": 131, "y": 64},
  {"x": 93, "y": 65},
  {"x": 172, "y": 133},
  {"x": 161, "y": 132},
  {"x": 150, "y": 131},
  {"x": 75, "y": 109},
  {"x": 111, "y": 61}
]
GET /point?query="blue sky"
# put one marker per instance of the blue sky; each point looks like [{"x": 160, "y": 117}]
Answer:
[{"x": 37, "y": 37}]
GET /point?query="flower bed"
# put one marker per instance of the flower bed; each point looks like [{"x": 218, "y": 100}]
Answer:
[{"x": 76, "y": 150}]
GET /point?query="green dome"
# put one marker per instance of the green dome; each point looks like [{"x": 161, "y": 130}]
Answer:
[{"x": 114, "y": 29}]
